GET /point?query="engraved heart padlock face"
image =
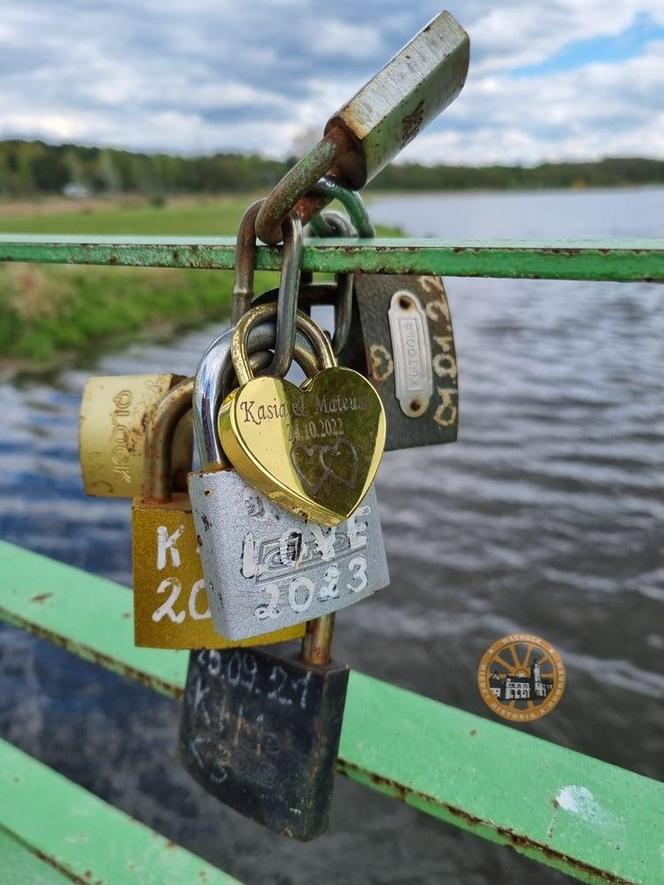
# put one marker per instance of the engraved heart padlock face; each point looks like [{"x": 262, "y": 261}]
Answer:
[{"x": 313, "y": 449}]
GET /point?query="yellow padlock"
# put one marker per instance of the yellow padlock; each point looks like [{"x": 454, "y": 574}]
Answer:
[
  {"x": 170, "y": 600},
  {"x": 313, "y": 449},
  {"x": 115, "y": 412}
]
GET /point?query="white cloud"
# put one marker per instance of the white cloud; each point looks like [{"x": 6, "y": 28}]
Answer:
[
  {"x": 207, "y": 75},
  {"x": 342, "y": 40},
  {"x": 515, "y": 34},
  {"x": 603, "y": 109}
]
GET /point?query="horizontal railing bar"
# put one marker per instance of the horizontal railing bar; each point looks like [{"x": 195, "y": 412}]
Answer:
[
  {"x": 592, "y": 820},
  {"x": 622, "y": 261},
  {"x": 53, "y": 831}
]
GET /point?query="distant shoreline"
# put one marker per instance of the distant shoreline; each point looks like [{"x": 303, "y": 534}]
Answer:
[
  {"x": 44, "y": 205},
  {"x": 375, "y": 193},
  {"x": 55, "y": 314},
  {"x": 32, "y": 168}
]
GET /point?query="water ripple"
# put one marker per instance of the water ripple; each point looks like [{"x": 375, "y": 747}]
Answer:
[{"x": 546, "y": 517}]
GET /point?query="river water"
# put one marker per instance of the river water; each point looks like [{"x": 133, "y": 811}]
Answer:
[{"x": 545, "y": 517}]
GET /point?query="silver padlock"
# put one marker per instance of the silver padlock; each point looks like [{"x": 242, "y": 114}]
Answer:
[{"x": 266, "y": 568}]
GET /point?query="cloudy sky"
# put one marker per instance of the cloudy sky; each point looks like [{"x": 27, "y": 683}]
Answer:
[{"x": 549, "y": 79}]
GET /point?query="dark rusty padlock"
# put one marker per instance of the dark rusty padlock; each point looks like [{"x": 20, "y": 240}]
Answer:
[
  {"x": 261, "y": 732},
  {"x": 406, "y": 348}
]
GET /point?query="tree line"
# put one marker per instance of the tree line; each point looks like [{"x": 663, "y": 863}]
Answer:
[{"x": 33, "y": 168}]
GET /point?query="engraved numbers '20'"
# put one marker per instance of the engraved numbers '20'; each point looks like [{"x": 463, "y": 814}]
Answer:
[{"x": 167, "y": 609}]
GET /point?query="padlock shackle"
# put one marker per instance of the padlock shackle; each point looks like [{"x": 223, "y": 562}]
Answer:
[
  {"x": 292, "y": 193},
  {"x": 317, "y": 641},
  {"x": 289, "y": 285},
  {"x": 306, "y": 189},
  {"x": 239, "y": 352},
  {"x": 245, "y": 259},
  {"x": 338, "y": 294},
  {"x": 332, "y": 223},
  {"x": 289, "y": 282},
  {"x": 215, "y": 378},
  {"x": 159, "y": 442},
  {"x": 352, "y": 202},
  {"x": 245, "y": 262}
]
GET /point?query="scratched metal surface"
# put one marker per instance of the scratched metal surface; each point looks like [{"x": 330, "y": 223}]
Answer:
[{"x": 545, "y": 516}]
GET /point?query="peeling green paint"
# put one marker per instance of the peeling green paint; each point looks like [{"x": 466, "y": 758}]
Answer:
[
  {"x": 53, "y": 831},
  {"x": 594, "y": 821},
  {"x": 626, "y": 261}
]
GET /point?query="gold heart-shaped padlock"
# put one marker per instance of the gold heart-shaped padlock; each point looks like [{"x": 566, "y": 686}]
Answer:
[{"x": 313, "y": 449}]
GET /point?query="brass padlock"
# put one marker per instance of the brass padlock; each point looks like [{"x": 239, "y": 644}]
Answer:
[
  {"x": 115, "y": 412},
  {"x": 170, "y": 599}
]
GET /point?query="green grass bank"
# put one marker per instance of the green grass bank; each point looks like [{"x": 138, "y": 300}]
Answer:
[{"x": 47, "y": 312}]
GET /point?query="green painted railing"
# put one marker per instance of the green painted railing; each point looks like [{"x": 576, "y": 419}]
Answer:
[
  {"x": 627, "y": 261},
  {"x": 442, "y": 761},
  {"x": 54, "y": 831}
]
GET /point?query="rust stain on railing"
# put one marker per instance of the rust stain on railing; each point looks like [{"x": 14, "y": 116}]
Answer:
[
  {"x": 521, "y": 842},
  {"x": 622, "y": 261}
]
